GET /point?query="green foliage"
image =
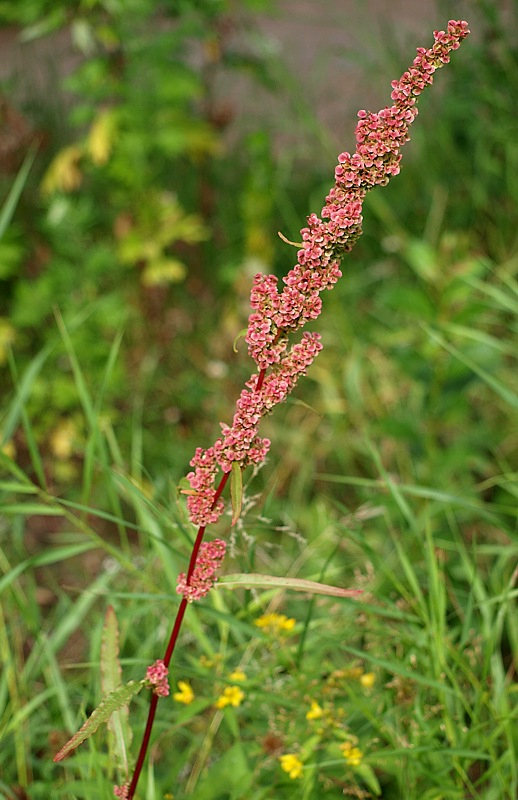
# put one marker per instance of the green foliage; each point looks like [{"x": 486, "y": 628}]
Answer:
[
  {"x": 128, "y": 226},
  {"x": 120, "y": 733},
  {"x": 470, "y": 138},
  {"x": 251, "y": 581},
  {"x": 109, "y": 705},
  {"x": 236, "y": 491}
]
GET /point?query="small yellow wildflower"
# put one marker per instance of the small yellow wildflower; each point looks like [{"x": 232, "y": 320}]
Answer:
[
  {"x": 353, "y": 755},
  {"x": 232, "y": 696},
  {"x": 185, "y": 694},
  {"x": 315, "y": 712},
  {"x": 367, "y": 680},
  {"x": 291, "y": 764},
  {"x": 275, "y": 623},
  {"x": 237, "y": 676}
]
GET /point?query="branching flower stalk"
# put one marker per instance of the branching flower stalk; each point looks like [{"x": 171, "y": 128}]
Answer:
[{"x": 278, "y": 314}]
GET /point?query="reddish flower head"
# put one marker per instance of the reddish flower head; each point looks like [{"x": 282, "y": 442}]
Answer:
[
  {"x": 204, "y": 574},
  {"x": 275, "y": 314},
  {"x": 157, "y": 676}
]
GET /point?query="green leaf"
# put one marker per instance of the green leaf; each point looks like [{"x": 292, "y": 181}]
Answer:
[
  {"x": 120, "y": 735},
  {"x": 369, "y": 776},
  {"x": 255, "y": 581},
  {"x": 236, "y": 491},
  {"x": 423, "y": 259},
  {"x": 508, "y": 395},
  {"x": 240, "y": 335},
  {"x": 52, "y": 556},
  {"x": 10, "y": 204},
  {"x": 17, "y": 487},
  {"x": 229, "y": 777},
  {"x": 108, "y": 705},
  {"x": 31, "y": 509}
]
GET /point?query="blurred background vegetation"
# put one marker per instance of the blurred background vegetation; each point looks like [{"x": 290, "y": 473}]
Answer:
[
  {"x": 143, "y": 184},
  {"x": 148, "y": 202}
]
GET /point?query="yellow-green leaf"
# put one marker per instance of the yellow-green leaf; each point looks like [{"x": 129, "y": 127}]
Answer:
[
  {"x": 255, "y": 581},
  {"x": 115, "y": 700},
  {"x": 236, "y": 491},
  {"x": 120, "y": 735}
]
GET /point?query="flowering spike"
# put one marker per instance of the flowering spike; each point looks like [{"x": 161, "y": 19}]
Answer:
[
  {"x": 157, "y": 674},
  {"x": 276, "y": 313},
  {"x": 204, "y": 574}
]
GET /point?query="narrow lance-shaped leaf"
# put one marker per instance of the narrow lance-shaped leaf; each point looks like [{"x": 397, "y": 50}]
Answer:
[
  {"x": 240, "y": 335},
  {"x": 236, "y": 491},
  {"x": 120, "y": 736},
  {"x": 255, "y": 581},
  {"x": 120, "y": 697},
  {"x": 8, "y": 209}
]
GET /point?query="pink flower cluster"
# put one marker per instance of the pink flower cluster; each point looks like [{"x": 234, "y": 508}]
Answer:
[
  {"x": 200, "y": 502},
  {"x": 121, "y": 791},
  {"x": 274, "y": 315},
  {"x": 204, "y": 574},
  {"x": 156, "y": 675},
  {"x": 379, "y": 138},
  {"x": 240, "y": 441}
]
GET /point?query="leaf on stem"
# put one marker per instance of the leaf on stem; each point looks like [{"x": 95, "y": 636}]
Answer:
[
  {"x": 111, "y": 677},
  {"x": 298, "y": 245},
  {"x": 112, "y": 702},
  {"x": 236, "y": 491},
  {"x": 256, "y": 581},
  {"x": 240, "y": 335}
]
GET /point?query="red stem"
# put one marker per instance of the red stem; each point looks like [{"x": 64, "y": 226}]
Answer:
[
  {"x": 174, "y": 636},
  {"x": 176, "y": 628},
  {"x": 260, "y": 380}
]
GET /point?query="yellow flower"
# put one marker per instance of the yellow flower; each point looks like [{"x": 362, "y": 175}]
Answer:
[
  {"x": 275, "y": 623},
  {"x": 291, "y": 764},
  {"x": 367, "y": 680},
  {"x": 353, "y": 755},
  {"x": 238, "y": 675},
  {"x": 315, "y": 712},
  {"x": 232, "y": 696},
  {"x": 185, "y": 695}
]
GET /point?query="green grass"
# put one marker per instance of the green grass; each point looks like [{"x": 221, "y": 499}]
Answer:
[{"x": 436, "y": 559}]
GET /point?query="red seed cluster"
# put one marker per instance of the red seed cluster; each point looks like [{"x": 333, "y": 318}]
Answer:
[
  {"x": 205, "y": 571},
  {"x": 276, "y": 314}
]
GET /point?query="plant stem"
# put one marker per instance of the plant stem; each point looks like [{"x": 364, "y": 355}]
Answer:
[{"x": 176, "y": 630}]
